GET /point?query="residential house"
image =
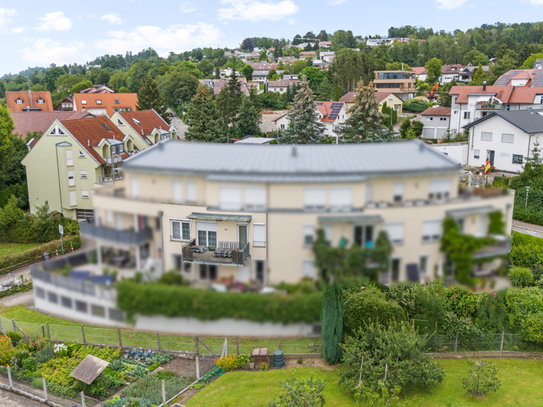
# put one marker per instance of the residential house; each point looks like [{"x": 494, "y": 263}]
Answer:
[
  {"x": 39, "y": 122},
  {"x": 330, "y": 114},
  {"x": 522, "y": 77},
  {"x": 288, "y": 60},
  {"x": 401, "y": 83},
  {"x": 290, "y": 77},
  {"x": 29, "y": 101},
  {"x": 436, "y": 121},
  {"x": 392, "y": 100},
  {"x": 224, "y": 73},
  {"x": 327, "y": 56},
  {"x": 72, "y": 156},
  {"x": 469, "y": 103},
  {"x": 145, "y": 127},
  {"x": 218, "y": 84},
  {"x": 308, "y": 54},
  {"x": 66, "y": 105},
  {"x": 505, "y": 138},
  {"x": 325, "y": 44},
  {"x": 375, "y": 42},
  {"x": 460, "y": 73},
  {"x": 281, "y": 86},
  {"x": 255, "y": 140},
  {"x": 263, "y": 66},
  {"x": 260, "y": 76},
  {"x": 421, "y": 73},
  {"x": 101, "y": 104},
  {"x": 98, "y": 89}
]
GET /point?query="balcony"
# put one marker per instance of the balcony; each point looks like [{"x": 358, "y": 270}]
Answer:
[
  {"x": 500, "y": 248},
  {"x": 113, "y": 160},
  {"x": 108, "y": 178},
  {"x": 226, "y": 253},
  {"x": 488, "y": 106},
  {"x": 124, "y": 237}
]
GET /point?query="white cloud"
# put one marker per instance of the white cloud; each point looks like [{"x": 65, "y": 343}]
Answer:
[
  {"x": 5, "y": 16},
  {"x": 112, "y": 18},
  {"x": 536, "y": 2},
  {"x": 55, "y": 21},
  {"x": 336, "y": 2},
  {"x": 175, "y": 38},
  {"x": 18, "y": 30},
  {"x": 255, "y": 11},
  {"x": 450, "y": 4},
  {"x": 46, "y": 51},
  {"x": 187, "y": 7}
]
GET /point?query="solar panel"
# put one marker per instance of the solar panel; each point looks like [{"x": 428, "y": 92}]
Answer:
[{"x": 336, "y": 108}]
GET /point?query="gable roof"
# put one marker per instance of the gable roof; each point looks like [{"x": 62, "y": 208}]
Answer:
[
  {"x": 507, "y": 94},
  {"x": 109, "y": 101},
  {"x": 437, "y": 111},
  {"x": 327, "y": 108},
  {"x": 146, "y": 120},
  {"x": 379, "y": 96},
  {"x": 283, "y": 84},
  {"x": 28, "y": 122},
  {"x": 534, "y": 76},
  {"x": 90, "y": 132},
  {"x": 529, "y": 121},
  {"x": 29, "y": 100}
]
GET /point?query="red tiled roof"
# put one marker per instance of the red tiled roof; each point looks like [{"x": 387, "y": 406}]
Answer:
[
  {"x": 29, "y": 99},
  {"x": 148, "y": 121},
  {"x": 29, "y": 122},
  {"x": 419, "y": 70},
  {"x": 437, "y": 111},
  {"x": 284, "y": 84},
  {"x": 348, "y": 97},
  {"x": 125, "y": 101},
  {"x": 90, "y": 132},
  {"x": 507, "y": 94},
  {"x": 379, "y": 96},
  {"x": 325, "y": 108}
]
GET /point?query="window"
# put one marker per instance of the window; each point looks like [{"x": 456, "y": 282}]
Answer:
[
  {"x": 255, "y": 198},
  {"x": 282, "y": 127},
  {"x": 207, "y": 234},
  {"x": 180, "y": 229},
  {"x": 398, "y": 191},
  {"x": 116, "y": 101},
  {"x": 19, "y": 101},
  {"x": 394, "y": 232},
  {"x": 85, "y": 194},
  {"x": 40, "y": 292},
  {"x": 83, "y": 102},
  {"x": 467, "y": 115},
  {"x": 518, "y": 159},
  {"x": 508, "y": 138},
  {"x": 71, "y": 180},
  {"x": 81, "y": 155},
  {"x": 259, "y": 235},
  {"x": 69, "y": 158},
  {"x": 456, "y": 112},
  {"x": 73, "y": 198},
  {"x": 116, "y": 315},
  {"x": 341, "y": 199},
  {"x": 368, "y": 192},
  {"x": 260, "y": 268},
  {"x": 191, "y": 191},
  {"x": 108, "y": 129},
  {"x": 315, "y": 198},
  {"x": 98, "y": 102},
  {"x": 177, "y": 192},
  {"x": 429, "y": 119},
  {"x": 423, "y": 265},
  {"x": 81, "y": 306},
  {"x": 439, "y": 189},
  {"x": 40, "y": 101},
  {"x": 208, "y": 272},
  {"x": 134, "y": 185},
  {"x": 177, "y": 260},
  {"x": 309, "y": 269},
  {"x": 230, "y": 198},
  {"x": 476, "y": 153},
  {"x": 442, "y": 119},
  {"x": 83, "y": 174},
  {"x": 66, "y": 302},
  {"x": 486, "y": 136},
  {"x": 98, "y": 311},
  {"x": 137, "y": 122},
  {"x": 363, "y": 235},
  {"x": 309, "y": 234},
  {"x": 431, "y": 230}
]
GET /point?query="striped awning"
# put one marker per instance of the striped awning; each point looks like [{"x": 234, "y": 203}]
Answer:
[{"x": 220, "y": 217}]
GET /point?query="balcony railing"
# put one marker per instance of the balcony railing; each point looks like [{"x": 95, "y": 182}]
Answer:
[
  {"x": 226, "y": 253},
  {"x": 102, "y": 179},
  {"x": 500, "y": 248},
  {"x": 126, "y": 237},
  {"x": 488, "y": 106},
  {"x": 113, "y": 160}
]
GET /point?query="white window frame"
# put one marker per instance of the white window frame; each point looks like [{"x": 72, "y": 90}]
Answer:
[
  {"x": 254, "y": 198},
  {"x": 81, "y": 154},
  {"x": 309, "y": 235},
  {"x": 69, "y": 158},
  {"x": 308, "y": 269},
  {"x": 71, "y": 178},
  {"x": 517, "y": 155},
  {"x": 398, "y": 191},
  {"x": 395, "y": 232},
  {"x": 486, "y": 136},
  {"x": 259, "y": 235},
  {"x": 230, "y": 198},
  {"x": 181, "y": 238},
  {"x": 433, "y": 230},
  {"x": 85, "y": 194},
  {"x": 177, "y": 187},
  {"x": 341, "y": 199},
  {"x": 134, "y": 187},
  {"x": 73, "y": 198},
  {"x": 310, "y": 203},
  {"x": 476, "y": 153},
  {"x": 423, "y": 273},
  {"x": 191, "y": 191},
  {"x": 83, "y": 174},
  {"x": 508, "y": 138}
]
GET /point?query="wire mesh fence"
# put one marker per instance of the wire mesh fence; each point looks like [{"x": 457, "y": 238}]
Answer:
[{"x": 500, "y": 342}]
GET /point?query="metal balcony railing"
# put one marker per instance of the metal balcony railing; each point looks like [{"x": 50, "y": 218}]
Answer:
[
  {"x": 113, "y": 160},
  {"x": 126, "y": 237}
]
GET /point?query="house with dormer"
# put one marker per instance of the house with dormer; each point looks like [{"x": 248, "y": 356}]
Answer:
[
  {"x": 68, "y": 161},
  {"x": 105, "y": 104},
  {"x": 29, "y": 101},
  {"x": 146, "y": 127}
]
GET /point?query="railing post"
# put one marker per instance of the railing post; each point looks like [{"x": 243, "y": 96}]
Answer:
[
  {"x": 48, "y": 332},
  {"x": 44, "y": 389},
  {"x": 9, "y": 378},
  {"x": 279, "y": 342},
  {"x": 197, "y": 341},
  {"x": 120, "y": 340},
  {"x": 237, "y": 345},
  {"x": 158, "y": 340},
  {"x": 83, "y": 333},
  {"x": 83, "y": 399},
  {"x": 501, "y": 344},
  {"x": 14, "y": 325}
]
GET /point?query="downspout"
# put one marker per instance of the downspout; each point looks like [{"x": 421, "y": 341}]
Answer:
[
  {"x": 58, "y": 177},
  {"x": 161, "y": 214},
  {"x": 267, "y": 229},
  {"x": 529, "y": 145}
]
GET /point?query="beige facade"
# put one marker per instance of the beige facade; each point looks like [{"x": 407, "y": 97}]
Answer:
[
  {"x": 402, "y": 83},
  {"x": 272, "y": 220}
]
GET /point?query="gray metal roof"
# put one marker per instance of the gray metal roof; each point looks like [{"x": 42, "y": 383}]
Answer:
[
  {"x": 281, "y": 162},
  {"x": 529, "y": 121},
  {"x": 221, "y": 217}
]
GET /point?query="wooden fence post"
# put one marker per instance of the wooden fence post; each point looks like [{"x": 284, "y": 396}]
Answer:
[
  {"x": 83, "y": 399},
  {"x": 158, "y": 340},
  {"x": 501, "y": 344},
  {"x": 83, "y": 333},
  {"x": 48, "y": 331},
  {"x": 279, "y": 342},
  {"x": 237, "y": 345},
  {"x": 44, "y": 389},
  {"x": 163, "y": 392},
  {"x": 43, "y": 331},
  {"x": 456, "y": 343},
  {"x": 197, "y": 340},
  {"x": 120, "y": 340},
  {"x": 14, "y": 325}
]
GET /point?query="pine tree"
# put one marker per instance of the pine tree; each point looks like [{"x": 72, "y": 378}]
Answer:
[
  {"x": 365, "y": 123},
  {"x": 204, "y": 119},
  {"x": 249, "y": 119},
  {"x": 336, "y": 98},
  {"x": 229, "y": 100},
  {"x": 325, "y": 91},
  {"x": 304, "y": 125},
  {"x": 478, "y": 76},
  {"x": 149, "y": 98},
  {"x": 332, "y": 323}
]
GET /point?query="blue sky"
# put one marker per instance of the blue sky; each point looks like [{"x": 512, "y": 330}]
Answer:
[{"x": 62, "y": 32}]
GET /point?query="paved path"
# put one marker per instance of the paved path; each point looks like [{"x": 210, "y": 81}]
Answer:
[
  {"x": 9, "y": 399},
  {"x": 17, "y": 299},
  {"x": 527, "y": 228}
]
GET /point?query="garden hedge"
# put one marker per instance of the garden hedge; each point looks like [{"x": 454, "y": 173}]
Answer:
[
  {"x": 7, "y": 262},
  {"x": 179, "y": 301}
]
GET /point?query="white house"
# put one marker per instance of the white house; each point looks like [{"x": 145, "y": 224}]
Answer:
[
  {"x": 436, "y": 121},
  {"x": 506, "y": 138},
  {"x": 281, "y": 86}
]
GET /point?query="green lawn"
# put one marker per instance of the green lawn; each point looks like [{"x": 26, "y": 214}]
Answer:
[
  {"x": 522, "y": 381},
  {"x": 13, "y": 248},
  {"x": 31, "y": 322}
]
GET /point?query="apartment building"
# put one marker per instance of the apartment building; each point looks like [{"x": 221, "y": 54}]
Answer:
[
  {"x": 145, "y": 127},
  {"x": 105, "y": 104},
  {"x": 402, "y": 83},
  {"x": 247, "y": 212}
]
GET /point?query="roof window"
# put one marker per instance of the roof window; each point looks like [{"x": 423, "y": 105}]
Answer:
[
  {"x": 105, "y": 127},
  {"x": 40, "y": 101},
  {"x": 117, "y": 102},
  {"x": 136, "y": 121},
  {"x": 98, "y": 102},
  {"x": 83, "y": 102}
]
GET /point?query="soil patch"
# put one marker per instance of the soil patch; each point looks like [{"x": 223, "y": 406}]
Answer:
[{"x": 187, "y": 367}]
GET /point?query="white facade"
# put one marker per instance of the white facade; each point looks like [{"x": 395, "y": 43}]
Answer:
[
  {"x": 435, "y": 127},
  {"x": 330, "y": 127},
  {"x": 457, "y": 151}
]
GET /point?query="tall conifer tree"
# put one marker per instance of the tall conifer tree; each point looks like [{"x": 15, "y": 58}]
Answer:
[
  {"x": 204, "y": 120},
  {"x": 332, "y": 323},
  {"x": 149, "y": 98}
]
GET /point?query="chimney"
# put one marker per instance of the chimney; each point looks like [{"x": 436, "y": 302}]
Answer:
[{"x": 484, "y": 86}]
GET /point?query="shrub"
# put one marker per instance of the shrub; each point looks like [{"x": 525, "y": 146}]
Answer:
[
  {"x": 332, "y": 323},
  {"x": 482, "y": 378},
  {"x": 492, "y": 315},
  {"x": 461, "y": 302},
  {"x": 299, "y": 361},
  {"x": 300, "y": 392},
  {"x": 463, "y": 327},
  {"x": 6, "y": 349},
  {"x": 526, "y": 306},
  {"x": 232, "y": 362},
  {"x": 264, "y": 366},
  {"x": 29, "y": 364},
  {"x": 45, "y": 353},
  {"x": 369, "y": 306},
  {"x": 521, "y": 277},
  {"x": 154, "y": 366},
  {"x": 15, "y": 337},
  {"x": 416, "y": 105}
]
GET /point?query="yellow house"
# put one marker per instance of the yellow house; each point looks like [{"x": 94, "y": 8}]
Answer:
[
  {"x": 243, "y": 212},
  {"x": 145, "y": 126},
  {"x": 67, "y": 161},
  {"x": 391, "y": 99}
]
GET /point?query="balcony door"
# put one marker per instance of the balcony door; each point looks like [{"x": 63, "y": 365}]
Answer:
[
  {"x": 242, "y": 236},
  {"x": 207, "y": 234}
]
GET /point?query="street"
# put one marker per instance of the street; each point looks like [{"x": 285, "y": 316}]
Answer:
[{"x": 527, "y": 228}]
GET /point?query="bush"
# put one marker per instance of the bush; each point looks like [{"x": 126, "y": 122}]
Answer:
[
  {"x": 300, "y": 392},
  {"x": 461, "y": 302},
  {"x": 232, "y": 362},
  {"x": 482, "y": 378},
  {"x": 369, "y": 306},
  {"x": 6, "y": 349},
  {"x": 264, "y": 366},
  {"x": 526, "y": 306},
  {"x": 45, "y": 353},
  {"x": 521, "y": 277},
  {"x": 416, "y": 105},
  {"x": 332, "y": 323},
  {"x": 180, "y": 301},
  {"x": 492, "y": 315},
  {"x": 154, "y": 366},
  {"x": 29, "y": 364},
  {"x": 526, "y": 251}
]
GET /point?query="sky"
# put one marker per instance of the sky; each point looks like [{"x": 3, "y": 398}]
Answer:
[{"x": 38, "y": 33}]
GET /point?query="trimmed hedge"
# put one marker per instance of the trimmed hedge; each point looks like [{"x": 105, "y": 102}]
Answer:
[
  {"x": 16, "y": 289},
  {"x": 521, "y": 277},
  {"x": 12, "y": 261},
  {"x": 179, "y": 301}
]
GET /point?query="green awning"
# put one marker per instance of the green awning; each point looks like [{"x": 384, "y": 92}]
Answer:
[
  {"x": 220, "y": 217},
  {"x": 367, "y": 219}
]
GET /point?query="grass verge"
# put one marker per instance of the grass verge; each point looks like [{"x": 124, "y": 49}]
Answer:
[{"x": 14, "y": 248}]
